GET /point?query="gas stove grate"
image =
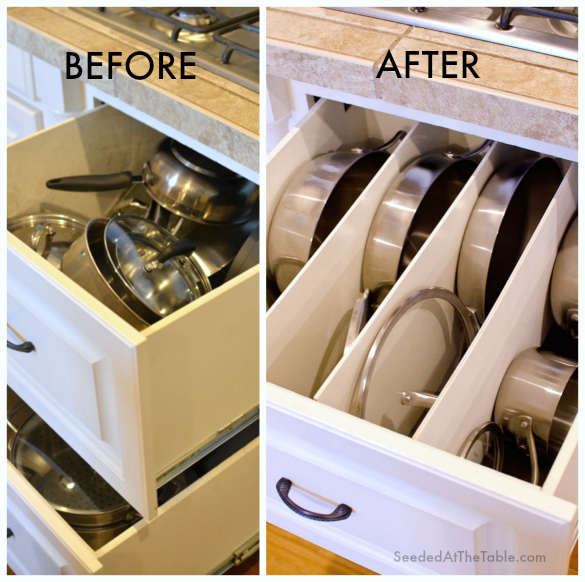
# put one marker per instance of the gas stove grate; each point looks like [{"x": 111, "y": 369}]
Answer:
[
  {"x": 250, "y": 24},
  {"x": 222, "y": 20}
]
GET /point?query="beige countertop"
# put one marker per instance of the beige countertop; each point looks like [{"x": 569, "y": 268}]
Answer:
[
  {"x": 209, "y": 109},
  {"x": 518, "y": 92}
]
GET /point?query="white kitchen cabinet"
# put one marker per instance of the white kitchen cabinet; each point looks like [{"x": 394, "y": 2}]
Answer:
[
  {"x": 39, "y": 95},
  {"x": 196, "y": 532},
  {"x": 407, "y": 495},
  {"x": 136, "y": 405}
]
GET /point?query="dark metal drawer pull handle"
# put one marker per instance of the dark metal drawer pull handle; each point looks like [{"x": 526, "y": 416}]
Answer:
[
  {"x": 25, "y": 347},
  {"x": 10, "y": 533},
  {"x": 339, "y": 513}
]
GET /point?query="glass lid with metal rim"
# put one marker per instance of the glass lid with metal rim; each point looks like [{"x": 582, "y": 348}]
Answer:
[
  {"x": 153, "y": 269},
  {"x": 50, "y": 235},
  {"x": 412, "y": 357},
  {"x": 62, "y": 477}
]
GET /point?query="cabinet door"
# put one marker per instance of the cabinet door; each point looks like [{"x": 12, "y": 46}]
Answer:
[{"x": 82, "y": 376}]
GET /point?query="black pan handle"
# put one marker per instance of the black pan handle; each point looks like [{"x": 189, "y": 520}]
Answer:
[
  {"x": 181, "y": 248},
  {"x": 25, "y": 347},
  {"x": 340, "y": 513},
  {"x": 94, "y": 183}
]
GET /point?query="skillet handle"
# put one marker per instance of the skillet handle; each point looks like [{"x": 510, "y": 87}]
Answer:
[
  {"x": 180, "y": 248},
  {"x": 340, "y": 513},
  {"x": 94, "y": 183}
]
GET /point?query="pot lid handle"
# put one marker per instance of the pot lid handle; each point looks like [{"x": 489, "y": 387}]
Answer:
[{"x": 179, "y": 248}]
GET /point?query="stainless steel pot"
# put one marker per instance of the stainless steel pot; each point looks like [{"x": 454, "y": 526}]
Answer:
[
  {"x": 502, "y": 222},
  {"x": 537, "y": 403},
  {"x": 217, "y": 245},
  {"x": 136, "y": 268},
  {"x": 50, "y": 235},
  {"x": 182, "y": 181},
  {"x": 314, "y": 202},
  {"x": 564, "y": 286},
  {"x": 91, "y": 506},
  {"x": 410, "y": 210}
]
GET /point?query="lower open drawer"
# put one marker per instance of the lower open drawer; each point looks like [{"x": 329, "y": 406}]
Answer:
[{"x": 203, "y": 525}]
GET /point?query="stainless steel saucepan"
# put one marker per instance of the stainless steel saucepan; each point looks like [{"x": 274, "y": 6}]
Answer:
[
  {"x": 183, "y": 182},
  {"x": 136, "y": 268},
  {"x": 315, "y": 201},
  {"x": 564, "y": 286},
  {"x": 537, "y": 403}
]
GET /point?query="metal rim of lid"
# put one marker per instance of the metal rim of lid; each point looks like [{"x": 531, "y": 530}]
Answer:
[
  {"x": 498, "y": 444},
  {"x": 30, "y": 220},
  {"x": 137, "y": 304},
  {"x": 118, "y": 513},
  {"x": 365, "y": 378}
]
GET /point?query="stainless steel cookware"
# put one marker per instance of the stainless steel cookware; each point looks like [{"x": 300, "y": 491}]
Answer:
[
  {"x": 136, "y": 268},
  {"x": 95, "y": 510},
  {"x": 314, "y": 202},
  {"x": 502, "y": 222},
  {"x": 247, "y": 257},
  {"x": 537, "y": 403},
  {"x": 50, "y": 235},
  {"x": 564, "y": 287},
  {"x": 485, "y": 444},
  {"x": 410, "y": 210},
  {"x": 420, "y": 399},
  {"x": 359, "y": 318},
  {"x": 182, "y": 181},
  {"x": 217, "y": 245}
]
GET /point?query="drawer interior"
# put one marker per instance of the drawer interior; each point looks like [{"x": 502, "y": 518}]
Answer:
[
  {"x": 102, "y": 141},
  {"x": 180, "y": 485},
  {"x": 307, "y": 325}
]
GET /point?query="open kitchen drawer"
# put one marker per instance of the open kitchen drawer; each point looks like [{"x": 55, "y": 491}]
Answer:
[
  {"x": 410, "y": 495},
  {"x": 134, "y": 405},
  {"x": 195, "y": 532}
]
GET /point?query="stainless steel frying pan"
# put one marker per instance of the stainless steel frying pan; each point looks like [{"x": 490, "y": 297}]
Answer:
[{"x": 315, "y": 201}]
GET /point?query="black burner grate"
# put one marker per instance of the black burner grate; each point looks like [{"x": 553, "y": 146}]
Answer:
[{"x": 250, "y": 24}]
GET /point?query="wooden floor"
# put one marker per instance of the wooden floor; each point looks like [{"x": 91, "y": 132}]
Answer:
[
  {"x": 289, "y": 554},
  {"x": 249, "y": 567}
]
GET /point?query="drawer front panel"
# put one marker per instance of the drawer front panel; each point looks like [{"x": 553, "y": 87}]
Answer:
[
  {"x": 27, "y": 551},
  {"x": 81, "y": 378},
  {"x": 199, "y": 529},
  {"x": 411, "y": 498},
  {"x": 398, "y": 525},
  {"x": 42, "y": 542}
]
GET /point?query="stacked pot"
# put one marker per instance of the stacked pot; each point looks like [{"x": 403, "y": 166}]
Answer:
[{"x": 182, "y": 227}]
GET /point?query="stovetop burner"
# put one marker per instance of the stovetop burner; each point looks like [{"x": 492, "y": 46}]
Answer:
[
  {"x": 225, "y": 40},
  {"x": 551, "y": 31}
]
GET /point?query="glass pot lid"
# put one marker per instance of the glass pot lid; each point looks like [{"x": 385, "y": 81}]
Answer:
[
  {"x": 485, "y": 446},
  {"x": 50, "y": 235},
  {"x": 155, "y": 273},
  {"x": 413, "y": 355},
  {"x": 63, "y": 478}
]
